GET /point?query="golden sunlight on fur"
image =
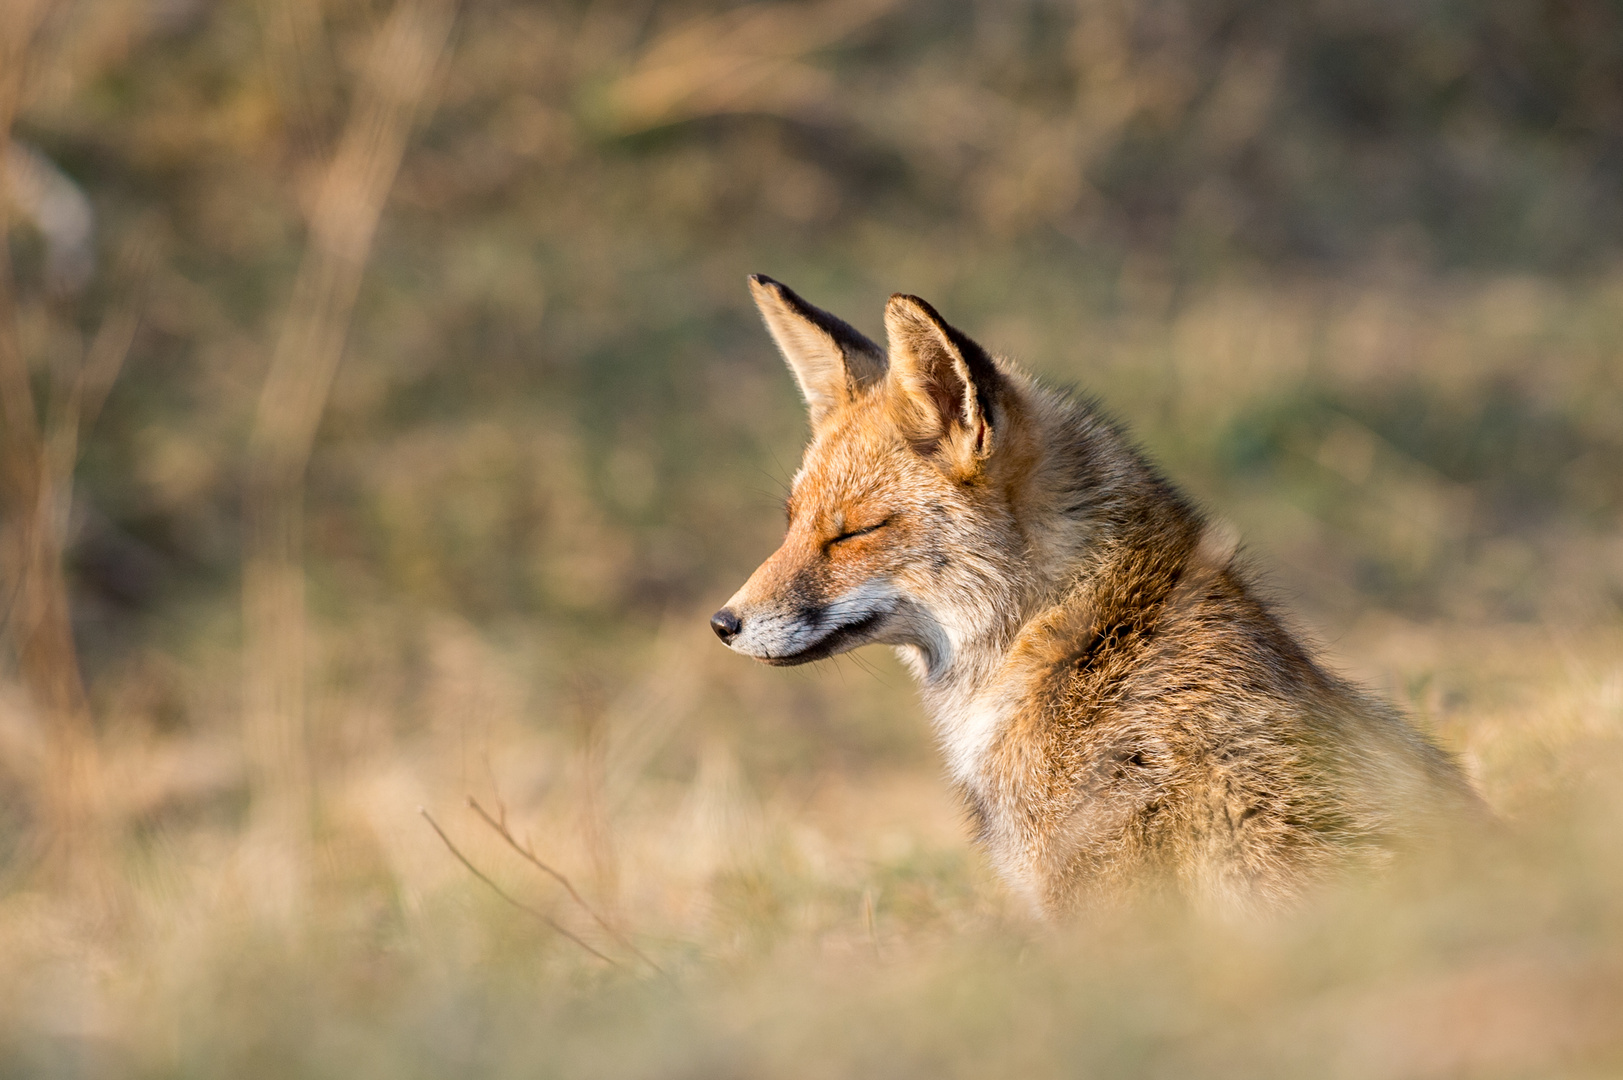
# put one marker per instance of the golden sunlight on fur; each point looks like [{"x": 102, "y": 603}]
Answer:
[{"x": 1118, "y": 710}]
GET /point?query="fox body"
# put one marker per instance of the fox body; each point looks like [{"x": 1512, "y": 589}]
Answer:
[{"x": 1115, "y": 705}]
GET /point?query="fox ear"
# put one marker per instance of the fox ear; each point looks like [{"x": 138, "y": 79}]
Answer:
[
  {"x": 945, "y": 383},
  {"x": 830, "y": 359}
]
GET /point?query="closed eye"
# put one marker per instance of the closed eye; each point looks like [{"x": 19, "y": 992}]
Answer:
[{"x": 854, "y": 533}]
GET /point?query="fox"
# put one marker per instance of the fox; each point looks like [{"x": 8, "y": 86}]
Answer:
[{"x": 1117, "y": 707}]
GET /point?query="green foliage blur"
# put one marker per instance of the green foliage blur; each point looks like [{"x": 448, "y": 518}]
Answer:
[{"x": 556, "y": 404}]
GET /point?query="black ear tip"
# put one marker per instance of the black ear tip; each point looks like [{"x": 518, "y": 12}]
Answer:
[{"x": 761, "y": 281}]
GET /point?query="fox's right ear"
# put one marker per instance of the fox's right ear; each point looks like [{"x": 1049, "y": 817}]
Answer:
[
  {"x": 945, "y": 384},
  {"x": 831, "y": 360}
]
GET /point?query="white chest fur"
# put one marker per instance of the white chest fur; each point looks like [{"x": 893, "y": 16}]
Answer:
[{"x": 967, "y": 724}]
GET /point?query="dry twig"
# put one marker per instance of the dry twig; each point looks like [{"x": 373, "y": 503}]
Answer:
[
  {"x": 499, "y": 891},
  {"x": 499, "y": 825}
]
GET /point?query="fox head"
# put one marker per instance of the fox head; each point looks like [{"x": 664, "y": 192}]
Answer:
[{"x": 905, "y": 518}]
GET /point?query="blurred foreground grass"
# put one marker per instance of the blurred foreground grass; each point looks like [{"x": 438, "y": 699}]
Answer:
[
  {"x": 836, "y": 925},
  {"x": 1351, "y": 276}
]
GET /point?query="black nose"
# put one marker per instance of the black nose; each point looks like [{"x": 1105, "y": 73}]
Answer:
[{"x": 725, "y": 624}]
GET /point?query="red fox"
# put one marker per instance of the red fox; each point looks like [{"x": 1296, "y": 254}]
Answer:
[{"x": 1116, "y": 706}]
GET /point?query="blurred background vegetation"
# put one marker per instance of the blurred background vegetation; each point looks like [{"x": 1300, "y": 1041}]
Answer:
[{"x": 385, "y": 414}]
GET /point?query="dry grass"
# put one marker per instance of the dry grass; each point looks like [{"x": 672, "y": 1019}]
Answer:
[{"x": 836, "y": 924}]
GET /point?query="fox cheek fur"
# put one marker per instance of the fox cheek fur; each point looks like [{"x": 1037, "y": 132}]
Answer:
[{"x": 1115, "y": 706}]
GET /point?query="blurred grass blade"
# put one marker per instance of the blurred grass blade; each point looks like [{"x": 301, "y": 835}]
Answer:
[
  {"x": 748, "y": 59},
  {"x": 403, "y": 60}
]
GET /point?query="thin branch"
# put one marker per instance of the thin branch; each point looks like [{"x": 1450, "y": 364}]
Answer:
[
  {"x": 529, "y": 855},
  {"x": 497, "y": 889}
]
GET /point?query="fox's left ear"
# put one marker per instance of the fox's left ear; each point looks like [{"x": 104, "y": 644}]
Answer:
[
  {"x": 831, "y": 359},
  {"x": 946, "y": 384}
]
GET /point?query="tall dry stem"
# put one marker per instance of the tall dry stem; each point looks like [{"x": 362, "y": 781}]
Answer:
[
  {"x": 36, "y": 475},
  {"x": 596, "y": 825},
  {"x": 402, "y": 62}
]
